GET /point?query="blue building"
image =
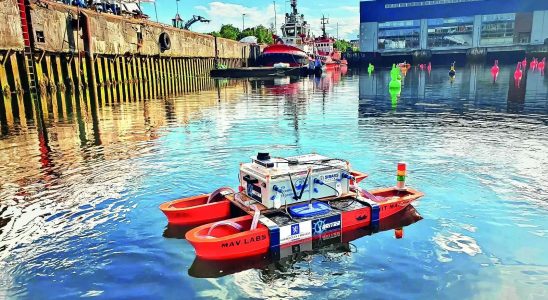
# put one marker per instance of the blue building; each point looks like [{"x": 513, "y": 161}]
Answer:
[{"x": 391, "y": 27}]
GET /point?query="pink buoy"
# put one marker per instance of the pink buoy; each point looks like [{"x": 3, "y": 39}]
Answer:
[
  {"x": 533, "y": 64},
  {"x": 518, "y": 74},
  {"x": 495, "y": 70}
]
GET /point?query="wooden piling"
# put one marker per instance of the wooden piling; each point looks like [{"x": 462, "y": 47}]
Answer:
[
  {"x": 130, "y": 78},
  {"x": 51, "y": 88},
  {"x": 154, "y": 77},
  {"x": 180, "y": 72},
  {"x": 125, "y": 78},
  {"x": 119, "y": 80},
  {"x": 185, "y": 75},
  {"x": 5, "y": 89},
  {"x": 17, "y": 86},
  {"x": 148, "y": 78},
  {"x": 140, "y": 77},
  {"x": 164, "y": 76},
  {"x": 100, "y": 79},
  {"x": 61, "y": 88},
  {"x": 113, "y": 79},
  {"x": 106, "y": 79}
]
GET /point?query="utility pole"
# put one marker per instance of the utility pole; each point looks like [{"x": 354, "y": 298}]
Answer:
[
  {"x": 275, "y": 17},
  {"x": 243, "y": 22}
]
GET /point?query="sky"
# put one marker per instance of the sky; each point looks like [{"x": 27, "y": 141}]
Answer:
[{"x": 344, "y": 12}]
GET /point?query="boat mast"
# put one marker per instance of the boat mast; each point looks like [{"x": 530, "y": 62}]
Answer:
[
  {"x": 324, "y": 21},
  {"x": 294, "y": 7}
]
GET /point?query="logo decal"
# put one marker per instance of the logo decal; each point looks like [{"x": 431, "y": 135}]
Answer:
[
  {"x": 328, "y": 224},
  {"x": 294, "y": 229},
  {"x": 295, "y": 232},
  {"x": 330, "y": 177}
]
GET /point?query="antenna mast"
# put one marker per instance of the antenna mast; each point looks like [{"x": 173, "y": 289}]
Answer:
[{"x": 324, "y": 21}]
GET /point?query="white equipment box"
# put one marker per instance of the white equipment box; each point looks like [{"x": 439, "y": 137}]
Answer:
[{"x": 279, "y": 181}]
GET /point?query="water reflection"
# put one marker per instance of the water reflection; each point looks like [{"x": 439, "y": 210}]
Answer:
[
  {"x": 473, "y": 87},
  {"x": 79, "y": 190}
]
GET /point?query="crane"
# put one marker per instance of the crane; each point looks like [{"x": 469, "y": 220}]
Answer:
[{"x": 194, "y": 20}]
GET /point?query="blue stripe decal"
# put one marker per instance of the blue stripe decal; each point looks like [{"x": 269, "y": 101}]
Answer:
[
  {"x": 375, "y": 212},
  {"x": 274, "y": 238},
  {"x": 274, "y": 242}
]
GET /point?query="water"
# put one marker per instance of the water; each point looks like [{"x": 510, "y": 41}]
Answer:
[{"x": 79, "y": 194}]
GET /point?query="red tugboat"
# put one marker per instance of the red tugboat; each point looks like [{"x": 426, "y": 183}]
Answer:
[
  {"x": 283, "y": 202},
  {"x": 295, "y": 45},
  {"x": 325, "y": 50}
]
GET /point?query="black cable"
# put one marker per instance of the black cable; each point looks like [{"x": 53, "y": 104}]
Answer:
[
  {"x": 327, "y": 185},
  {"x": 292, "y": 187},
  {"x": 349, "y": 204},
  {"x": 304, "y": 185},
  {"x": 287, "y": 212}
]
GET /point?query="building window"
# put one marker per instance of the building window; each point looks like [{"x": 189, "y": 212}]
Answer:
[
  {"x": 426, "y": 3},
  {"x": 450, "y": 32},
  {"x": 497, "y": 29},
  {"x": 399, "y": 35}
]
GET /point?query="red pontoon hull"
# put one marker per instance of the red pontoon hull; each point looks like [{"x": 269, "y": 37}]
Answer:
[
  {"x": 195, "y": 210},
  {"x": 226, "y": 242}
]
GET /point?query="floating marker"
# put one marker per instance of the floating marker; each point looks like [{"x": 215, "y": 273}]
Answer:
[
  {"x": 398, "y": 233},
  {"x": 400, "y": 175}
]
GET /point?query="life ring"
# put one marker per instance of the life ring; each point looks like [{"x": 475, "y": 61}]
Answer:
[{"x": 165, "y": 41}]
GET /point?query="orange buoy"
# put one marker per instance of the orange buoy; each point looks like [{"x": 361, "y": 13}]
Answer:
[{"x": 398, "y": 233}]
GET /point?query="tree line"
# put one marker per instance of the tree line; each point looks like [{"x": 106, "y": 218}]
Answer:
[
  {"x": 264, "y": 36},
  {"x": 229, "y": 31}
]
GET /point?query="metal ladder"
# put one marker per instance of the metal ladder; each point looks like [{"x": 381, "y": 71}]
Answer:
[{"x": 28, "y": 53}]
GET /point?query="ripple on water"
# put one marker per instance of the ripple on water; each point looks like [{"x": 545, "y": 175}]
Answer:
[{"x": 79, "y": 218}]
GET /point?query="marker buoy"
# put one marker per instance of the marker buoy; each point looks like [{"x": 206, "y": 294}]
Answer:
[
  {"x": 400, "y": 176},
  {"x": 398, "y": 233}
]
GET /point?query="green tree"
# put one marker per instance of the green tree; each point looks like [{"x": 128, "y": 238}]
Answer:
[
  {"x": 228, "y": 31},
  {"x": 342, "y": 45},
  {"x": 263, "y": 34}
]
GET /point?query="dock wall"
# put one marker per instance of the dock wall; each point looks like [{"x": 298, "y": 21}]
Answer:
[{"x": 107, "y": 57}]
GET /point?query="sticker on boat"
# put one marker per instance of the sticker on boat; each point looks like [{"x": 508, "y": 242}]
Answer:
[
  {"x": 327, "y": 224},
  {"x": 295, "y": 232},
  {"x": 330, "y": 177}
]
